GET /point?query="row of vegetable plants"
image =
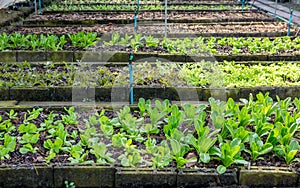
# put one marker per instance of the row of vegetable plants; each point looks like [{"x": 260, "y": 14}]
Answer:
[
  {"x": 157, "y": 135},
  {"x": 17, "y": 41},
  {"x": 210, "y": 45},
  {"x": 202, "y": 74},
  {"x": 119, "y": 7},
  {"x": 139, "y": 43}
]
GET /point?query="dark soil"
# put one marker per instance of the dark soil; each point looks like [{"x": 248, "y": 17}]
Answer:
[
  {"x": 156, "y": 2},
  {"x": 149, "y": 16}
]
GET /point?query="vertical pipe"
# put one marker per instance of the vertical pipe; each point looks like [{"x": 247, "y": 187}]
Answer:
[
  {"x": 276, "y": 6},
  {"x": 290, "y": 22},
  {"x": 166, "y": 18},
  {"x": 40, "y": 5},
  {"x": 131, "y": 78},
  {"x": 135, "y": 16},
  {"x": 243, "y": 4},
  {"x": 35, "y": 7}
]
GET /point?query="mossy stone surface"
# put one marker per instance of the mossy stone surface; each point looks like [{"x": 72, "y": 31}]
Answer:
[
  {"x": 31, "y": 56},
  {"x": 284, "y": 92},
  {"x": 89, "y": 56},
  {"x": 192, "y": 178},
  {"x": 115, "y": 57},
  {"x": 30, "y": 94},
  {"x": 171, "y": 58},
  {"x": 151, "y": 93},
  {"x": 84, "y": 175},
  {"x": 60, "y": 56},
  {"x": 145, "y": 57},
  {"x": 78, "y": 56},
  {"x": 61, "y": 94},
  {"x": 103, "y": 94},
  {"x": 268, "y": 177},
  {"x": 136, "y": 178},
  {"x": 9, "y": 56},
  {"x": 22, "y": 176},
  {"x": 4, "y": 93}
]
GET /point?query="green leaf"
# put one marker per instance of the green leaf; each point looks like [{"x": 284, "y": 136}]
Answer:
[
  {"x": 241, "y": 161},
  {"x": 50, "y": 157},
  {"x": 176, "y": 148},
  {"x": 290, "y": 156},
  {"x": 221, "y": 169},
  {"x": 27, "y": 148},
  {"x": 204, "y": 157},
  {"x": 29, "y": 138},
  {"x": 10, "y": 142},
  {"x": 294, "y": 145},
  {"x": 30, "y": 128},
  {"x": 266, "y": 149}
]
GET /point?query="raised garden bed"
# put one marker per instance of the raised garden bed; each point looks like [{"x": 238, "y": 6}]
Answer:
[
  {"x": 101, "y": 137},
  {"x": 117, "y": 56},
  {"x": 127, "y": 18},
  {"x": 188, "y": 82},
  {"x": 150, "y": 1},
  {"x": 118, "y": 47},
  {"x": 244, "y": 29},
  {"x": 155, "y": 2},
  {"x": 102, "y": 143},
  {"x": 112, "y": 94},
  {"x": 130, "y": 8}
]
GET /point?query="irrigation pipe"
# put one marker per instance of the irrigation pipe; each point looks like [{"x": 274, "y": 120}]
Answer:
[
  {"x": 131, "y": 56},
  {"x": 290, "y": 21},
  {"x": 276, "y": 6},
  {"x": 40, "y": 6},
  {"x": 166, "y": 19}
]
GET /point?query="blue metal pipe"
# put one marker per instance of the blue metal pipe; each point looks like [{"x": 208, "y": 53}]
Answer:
[
  {"x": 131, "y": 78},
  {"x": 131, "y": 56},
  {"x": 135, "y": 23},
  {"x": 290, "y": 22},
  {"x": 40, "y": 6},
  {"x": 135, "y": 16},
  {"x": 243, "y": 4}
]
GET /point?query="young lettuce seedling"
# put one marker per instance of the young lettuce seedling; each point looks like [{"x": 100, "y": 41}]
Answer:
[
  {"x": 257, "y": 147},
  {"x": 228, "y": 153}
]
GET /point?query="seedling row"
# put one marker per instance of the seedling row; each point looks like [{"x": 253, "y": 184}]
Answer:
[{"x": 157, "y": 135}]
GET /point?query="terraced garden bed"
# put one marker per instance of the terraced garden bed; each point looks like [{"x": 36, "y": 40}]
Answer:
[
  {"x": 159, "y": 135},
  {"x": 139, "y": 43},
  {"x": 155, "y": 2},
  {"x": 197, "y": 81},
  {"x": 226, "y": 80},
  {"x": 244, "y": 29},
  {"x": 186, "y": 17},
  {"x": 143, "y": 8}
]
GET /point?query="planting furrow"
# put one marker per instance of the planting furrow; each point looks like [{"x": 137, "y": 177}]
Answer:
[
  {"x": 255, "y": 29},
  {"x": 172, "y": 16}
]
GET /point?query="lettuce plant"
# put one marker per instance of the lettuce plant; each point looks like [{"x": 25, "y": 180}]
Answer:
[
  {"x": 228, "y": 153},
  {"x": 257, "y": 147}
]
